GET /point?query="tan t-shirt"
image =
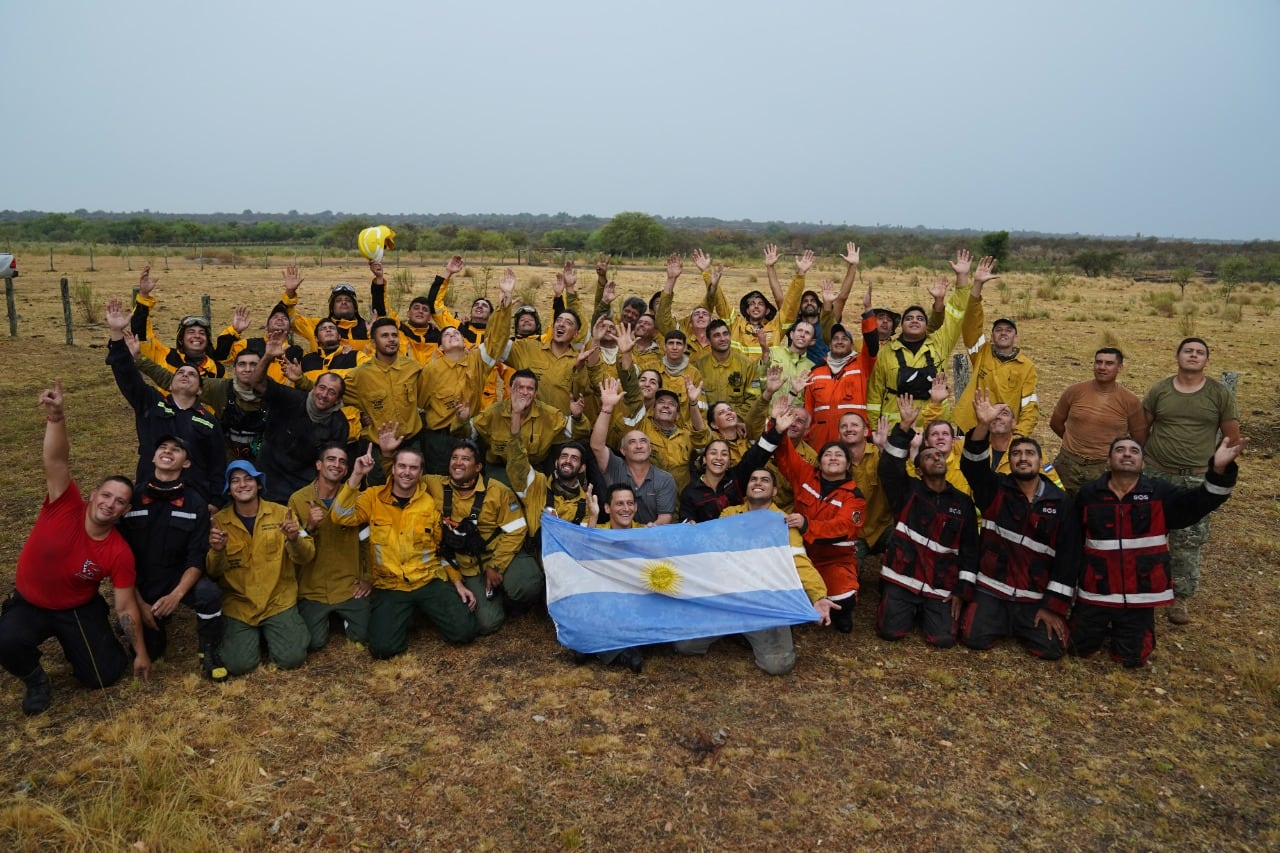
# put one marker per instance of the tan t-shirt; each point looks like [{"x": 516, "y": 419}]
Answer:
[{"x": 1094, "y": 418}]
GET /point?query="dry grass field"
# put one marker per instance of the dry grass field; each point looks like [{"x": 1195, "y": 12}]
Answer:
[{"x": 506, "y": 744}]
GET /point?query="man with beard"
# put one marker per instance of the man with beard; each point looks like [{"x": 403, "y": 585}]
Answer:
[
  {"x": 929, "y": 564},
  {"x": 408, "y": 572},
  {"x": 332, "y": 577},
  {"x": 774, "y": 650},
  {"x": 556, "y": 363},
  {"x": 192, "y": 347},
  {"x": 756, "y": 315},
  {"x": 1126, "y": 517},
  {"x": 167, "y": 529},
  {"x": 541, "y": 426},
  {"x": 1029, "y": 550},
  {"x": 179, "y": 412},
  {"x": 72, "y": 548},
  {"x": 672, "y": 444},
  {"x": 565, "y": 492},
  {"x": 839, "y": 385},
  {"x": 298, "y": 424}
]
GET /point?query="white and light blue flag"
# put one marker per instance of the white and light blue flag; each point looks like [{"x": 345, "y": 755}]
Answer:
[{"x": 610, "y": 589}]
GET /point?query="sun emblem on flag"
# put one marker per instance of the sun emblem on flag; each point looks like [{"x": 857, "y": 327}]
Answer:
[{"x": 661, "y": 576}]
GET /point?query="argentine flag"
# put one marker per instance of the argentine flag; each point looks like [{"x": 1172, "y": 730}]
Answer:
[{"x": 609, "y": 589}]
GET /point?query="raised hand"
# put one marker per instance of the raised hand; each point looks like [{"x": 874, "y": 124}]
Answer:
[
  {"x": 701, "y": 260},
  {"x": 117, "y": 318},
  {"x": 1227, "y": 453},
  {"x": 291, "y": 368},
  {"x": 804, "y": 261},
  {"x": 453, "y": 266},
  {"x": 146, "y": 283},
  {"x": 908, "y": 409},
  {"x": 940, "y": 390},
  {"x": 134, "y": 345},
  {"x": 388, "y": 440},
  {"x": 577, "y": 405},
  {"x": 773, "y": 379},
  {"x": 51, "y": 399},
  {"x": 593, "y": 504},
  {"x": 610, "y": 393},
  {"x": 626, "y": 339},
  {"x": 828, "y": 293},
  {"x": 985, "y": 270},
  {"x": 274, "y": 344},
  {"x": 675, "y": 266},
  {"x": 716, "y": 273},
  {"x": 585, "y": 354},
  {"x": 852, "y": 254},
  {"x": 362, "y": 465},
  {"x": 938, "y": 290},
  {"x": 962, "y": 264},
  {"x": 240, "y": 319},
  {"x": 694, "y": 392},
  {"x": 602, "y": 267},
  {"x": 292, "y": 281},
  {"x": 983, "y": 410},
  {"x": 770, "y": 254},
  {"x": 557, "y": 289},
  {"x": 881, "y": 436},
  {"x": 779, "y": 406},
  {"x": 375, "y": 267},
  {"x": 784, "y": 419},
  {"x": 866, "y": 298},
  {"x": 609, "y": 292},
  {"x": 570, "y": 276},
  {"x": 507, "y": 285}
]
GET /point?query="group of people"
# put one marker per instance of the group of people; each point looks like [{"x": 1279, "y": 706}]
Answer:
[{"x": 344, "y": 472}]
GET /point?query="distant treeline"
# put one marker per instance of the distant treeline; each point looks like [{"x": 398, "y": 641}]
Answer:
[{"x": 641, "y": 235}]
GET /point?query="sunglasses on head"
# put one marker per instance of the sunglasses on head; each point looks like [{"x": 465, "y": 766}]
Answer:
[
  {"x": 193, "y": 320},
  {"x": 344, "y": 288}
]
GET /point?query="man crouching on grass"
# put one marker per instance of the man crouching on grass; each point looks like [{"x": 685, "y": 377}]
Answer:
[
  {"x": 1126, "y": 518},
  {"x": 72, "y": 548}
]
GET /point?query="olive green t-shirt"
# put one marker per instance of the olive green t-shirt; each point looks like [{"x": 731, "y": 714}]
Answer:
[{"x": 1184, "y": 433}]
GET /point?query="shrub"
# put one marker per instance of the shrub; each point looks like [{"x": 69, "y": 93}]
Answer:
[
  {"x": 403, "y": 279},
  {"x": 1161, "y": 301},
  {"x": 1266, "y": 305},
  {"x": 1232, "y": 312},
  {"x": 82, "y": 295},
  {"x": 1187, "y": 320}
]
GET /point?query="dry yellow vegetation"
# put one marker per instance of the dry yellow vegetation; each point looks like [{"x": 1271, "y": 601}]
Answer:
[{"x": 506, "y": 743}]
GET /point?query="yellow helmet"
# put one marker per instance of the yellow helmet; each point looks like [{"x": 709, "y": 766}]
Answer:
[{"x": 372, "y": 241}]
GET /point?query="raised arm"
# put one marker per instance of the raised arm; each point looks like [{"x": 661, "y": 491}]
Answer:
[
  {"x": 610, "y": 396},
  {"x": 770, "y": 268},
  {"x": 57, "y": 447}
]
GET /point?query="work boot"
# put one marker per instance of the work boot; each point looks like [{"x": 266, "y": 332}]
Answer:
[
  {"x": 211, "y": 665},
  {"x": 1177, "y": 612},
  {"x": 39, "y": 692}
]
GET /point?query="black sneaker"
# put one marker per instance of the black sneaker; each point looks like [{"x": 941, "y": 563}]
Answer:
[
  {"x": 212, "y": 667},
  {"x": 39, "y": 693},
  {"x": 631, "y": 658}
]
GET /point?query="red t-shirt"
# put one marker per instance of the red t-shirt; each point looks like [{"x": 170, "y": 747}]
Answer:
[{"x": 61, "y": 566}]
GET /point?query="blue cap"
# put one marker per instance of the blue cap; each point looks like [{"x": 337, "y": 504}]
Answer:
[{"x": 247, "y": 467}]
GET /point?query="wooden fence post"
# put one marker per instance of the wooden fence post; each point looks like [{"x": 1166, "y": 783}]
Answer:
[
  {"x": 959, "y": 373},
  {"x": 128, "y": 262},
  {"x": 206, "y": 310},
  {"x": 91, "y": 257},
  {"x": 66, "y": 308},
  {"x": 13, "y": 309},
  {"x": 50, "y": 259}
]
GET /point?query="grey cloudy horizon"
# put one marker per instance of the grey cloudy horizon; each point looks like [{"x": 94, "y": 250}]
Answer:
[{"x": 1114, "y": 119}]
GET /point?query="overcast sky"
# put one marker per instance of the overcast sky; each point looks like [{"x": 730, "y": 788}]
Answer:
[{"x": 1116, "y": 117}]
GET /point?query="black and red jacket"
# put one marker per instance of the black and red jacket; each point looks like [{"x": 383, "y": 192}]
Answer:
[
  {"x": 1029, "y": 550},
  {"x": 1126, "y": 540},
  {"x": 934, "y": 547}
]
